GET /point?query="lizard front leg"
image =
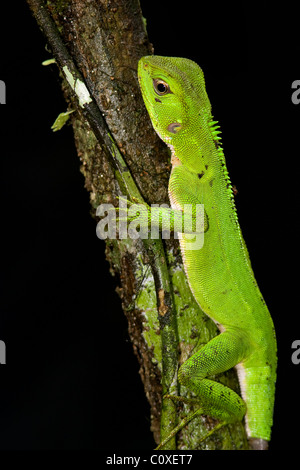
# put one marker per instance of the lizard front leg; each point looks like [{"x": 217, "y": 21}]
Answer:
[{"x": 144, "y": 221}]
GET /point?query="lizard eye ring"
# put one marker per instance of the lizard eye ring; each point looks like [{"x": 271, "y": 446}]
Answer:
[{"x": 161, "y": 87}]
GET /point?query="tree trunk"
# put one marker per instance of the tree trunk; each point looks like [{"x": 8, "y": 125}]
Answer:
[{"x": 99, "y": 43}]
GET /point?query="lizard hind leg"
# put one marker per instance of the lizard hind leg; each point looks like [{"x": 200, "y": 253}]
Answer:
[
  {"x": 220, "y": 354},
  {"x": 215, "y": 399}
]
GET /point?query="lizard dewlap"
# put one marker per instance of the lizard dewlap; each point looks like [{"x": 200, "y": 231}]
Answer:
[{"x": 220, "y": 273}]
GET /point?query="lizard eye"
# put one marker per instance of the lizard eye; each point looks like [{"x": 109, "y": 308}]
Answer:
[{"x": 161, "y": 87}]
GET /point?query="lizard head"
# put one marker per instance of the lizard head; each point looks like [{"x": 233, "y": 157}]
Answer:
[{"x": 174, "y": 93}]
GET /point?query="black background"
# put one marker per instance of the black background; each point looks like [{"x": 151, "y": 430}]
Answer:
[{"x": 71, "y": 380}]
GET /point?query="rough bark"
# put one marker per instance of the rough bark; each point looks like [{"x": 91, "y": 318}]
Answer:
[{"x": 105, "y": 39}]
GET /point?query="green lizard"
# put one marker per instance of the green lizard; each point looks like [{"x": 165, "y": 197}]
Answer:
[{"x": 220, "y": 273}]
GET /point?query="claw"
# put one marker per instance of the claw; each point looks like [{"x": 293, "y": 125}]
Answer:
[{"x": 187, "y": 419}]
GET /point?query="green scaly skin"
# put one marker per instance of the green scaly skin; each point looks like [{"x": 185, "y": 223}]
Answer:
[{"x": 220, "y": 273}]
